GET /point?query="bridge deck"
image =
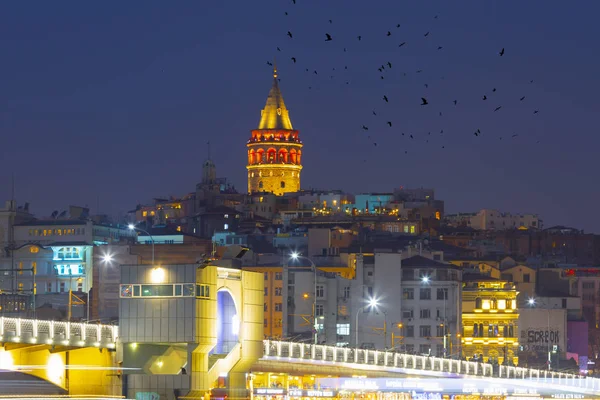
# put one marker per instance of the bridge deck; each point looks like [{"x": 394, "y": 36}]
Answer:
[{"x": 421, "y": 365}]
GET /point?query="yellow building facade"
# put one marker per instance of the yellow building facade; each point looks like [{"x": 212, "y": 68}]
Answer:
[
  {"x": 274, "y": 149},
  {"x": 490, "y": 320}
]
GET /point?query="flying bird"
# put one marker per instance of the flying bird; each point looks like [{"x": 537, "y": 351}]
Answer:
[
  {"x": 427, "y": 34},
  {"x": 294, "y": 1},
  {"x": 328, "y": 39},
  {"x": 290, "y": 34},
  {"x": 386, "y": 99},
  {"x": 411, "y": 136},
  {"x": 401, "y": 44},
  {"x": 497, "y": 108},
  {"x": 440, "y": 47},
  {"x": 315, "y": 72},
  {"x": 522, "y": 98},
  {"x": 455, "y": 102},
  {"x": 419, "y": 71},
  {"x": 269, "y": 63},
  {"x": 424, "y": 101},
  {"x": 484, "y": 97},
  {"x": 531, "y": 81},
  {"x": 398, "y": 26},
  {"x": 382, "y": 77},
  {"x": 494, "y": 89},
  {"x": 389, "y": 123},
  {"x": 330, "y": 21},
  {"x": 536, "y": 111},
  {"x": 294, "y": 60},
  {"x": 374, "y": 113},
  {"x": 501, "y": 52},
  {"x": 389, "y": 33},
  {"x": 365, "y": 128},
  {"x": 515, "y": 135},
  {"x": 426, "y": 86},
  {"x": 389, "y": 64},
  {"x": 278, "y": 49},
  {"x": 359, "y": 37},
  {"x": 286, "y": 13},
  {"x": 380, "y": 69}
]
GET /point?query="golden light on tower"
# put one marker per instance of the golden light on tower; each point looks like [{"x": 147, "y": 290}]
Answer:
[{"x": 274, "y": 149}]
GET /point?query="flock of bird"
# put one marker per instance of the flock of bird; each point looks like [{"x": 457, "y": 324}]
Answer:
[{"x": 424, "y": 100}]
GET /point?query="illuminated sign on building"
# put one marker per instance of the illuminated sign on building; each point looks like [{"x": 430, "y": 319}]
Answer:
[{"x": 311, "y": 393}]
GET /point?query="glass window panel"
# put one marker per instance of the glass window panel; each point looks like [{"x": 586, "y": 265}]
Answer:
[
  {"x": 188, "y": 289},
  {"x": 157, "y": 290},
  {"x": 136, "y": 290},
  {"x": 178, "y": 290},
  {"x": 126, "y": 290}
]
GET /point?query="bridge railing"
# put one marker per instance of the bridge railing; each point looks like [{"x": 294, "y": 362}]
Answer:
[
  {"x": 23, "y": 330},
  {"x": 423, "y": 364}
]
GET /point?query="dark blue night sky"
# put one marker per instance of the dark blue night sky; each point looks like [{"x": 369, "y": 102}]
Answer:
[{"x": 117, "y": 100}]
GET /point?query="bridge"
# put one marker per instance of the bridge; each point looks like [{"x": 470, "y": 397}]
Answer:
[
  {"x": 80, "y": 358},
  {"x": 320, "y": 356},
  {"x": 58, "y": 358}
]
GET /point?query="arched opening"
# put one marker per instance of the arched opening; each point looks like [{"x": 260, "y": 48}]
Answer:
[
  {"x": 282, "y": 184},
  {"x": 299, "y": 157},
  {"x": 478, "y": 303},
  {"x": 260, "y": 185},
  {"x": 228, "y": 323},
  {"x": 251, "y": 157},
  {"x": 283, "y": 156},
  {"x": 271, "y": 155},
  {"x": 293, "y": 156},
  {"x": 260, "y": 156}
]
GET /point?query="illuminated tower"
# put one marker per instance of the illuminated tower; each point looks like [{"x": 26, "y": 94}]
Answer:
[{"x": 274, "y": 149}]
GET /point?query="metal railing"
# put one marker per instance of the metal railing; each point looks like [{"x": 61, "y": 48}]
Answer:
[
  {"x": 23, "y": 330},
  {"x": 418, "y": 364}
]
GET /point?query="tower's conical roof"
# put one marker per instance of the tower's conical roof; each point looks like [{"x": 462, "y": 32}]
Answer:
[{"x": 275, "y": 115}]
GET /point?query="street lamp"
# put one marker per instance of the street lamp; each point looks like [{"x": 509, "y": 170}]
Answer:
[
  {"x": 134, "y": 228},
  {"x": 373, "y": 303},
  {"x": 107, "y": 258},
  {"x": 296, "y": 256},
  {"x": 532, "y": 303}
]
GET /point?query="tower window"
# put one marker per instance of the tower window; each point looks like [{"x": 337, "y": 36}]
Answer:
[
  {"x": 260, "y": 185},
  {"x": 282, "y": 184}
]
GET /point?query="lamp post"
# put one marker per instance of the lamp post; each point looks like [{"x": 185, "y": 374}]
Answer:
[
  {"x": 296, "y": 256},
  {"x": 134, "y": 228},
  {"x": 372, "y": 303},
  {"x": 532, "y": 302}
]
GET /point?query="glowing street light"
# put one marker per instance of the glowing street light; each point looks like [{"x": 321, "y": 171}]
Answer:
[
  {"x": 425, "y": 279},
  {"x": 295, "y": 256},
  {"x": 531, "y": 301},
  {"x": 373, "y": 303},
  {"x": 107, "y": 258}
]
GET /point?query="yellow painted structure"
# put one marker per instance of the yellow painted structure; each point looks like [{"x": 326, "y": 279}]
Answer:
[
  {"x": 246, "y": 289},
  {"x": 274, "y": 149},
  {"x": 490, "y": 320},
  {"x": 81, "y": 371}
]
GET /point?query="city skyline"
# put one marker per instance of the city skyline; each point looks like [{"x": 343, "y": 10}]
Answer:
[{"x": 121, "y": 112}]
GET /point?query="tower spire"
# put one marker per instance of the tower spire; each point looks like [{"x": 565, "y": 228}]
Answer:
[{"x": 275, "y": 114}]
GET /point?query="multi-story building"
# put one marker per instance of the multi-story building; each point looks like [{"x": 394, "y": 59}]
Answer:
[
  {"x": 490, "y": 320},
  {"x": 377, "y": 300},
  {"x": 494, "y": 220},
  {"x": 274, "y": 149}
]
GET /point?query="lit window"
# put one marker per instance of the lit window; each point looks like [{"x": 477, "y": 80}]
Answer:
[
  {"x": 34, "y": 267},
  {"x": 152, "y": 213},
  {"x": 485, "y": 304},
  {"x": 319, "y": 312},
  {"x": 179, "y": 229},
  {"x": 343, "y": 329},
  {"x": 226, "y": 226},
  {"x": 144, "y": 213},
  {"x": 21, "y": 268},
  {"x": 34, "y": 249},
  {"x": 20, "y": 286},
  {"x": 501, "y": 304},
  {"x": 226, "y": 216},
  {"x": 203, "y": 291},
  {"x": 405, "y": 228},
  {"x": 412, "y": 229}
]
